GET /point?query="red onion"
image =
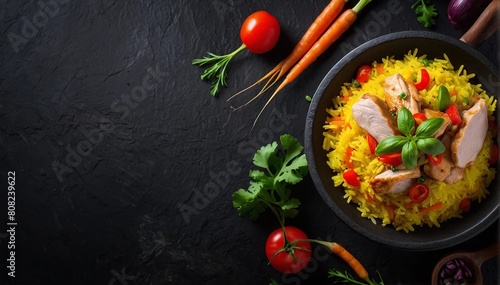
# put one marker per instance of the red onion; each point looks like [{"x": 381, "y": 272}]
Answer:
[
  {"x": 463, "y": 13},
  {"x": 455, "y": 271}
]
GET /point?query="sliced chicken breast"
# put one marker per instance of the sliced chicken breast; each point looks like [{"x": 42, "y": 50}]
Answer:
[
  {"x": 394, "y": 181},
  {"x": 371, "y": 114},
  {"x": 399, "y": 93},
  {"x": 469, "y": 139},
  {"x": 456, "y": 174},
  {"x": 441, "y": 171},
  {"x": 437, "y": 114}
]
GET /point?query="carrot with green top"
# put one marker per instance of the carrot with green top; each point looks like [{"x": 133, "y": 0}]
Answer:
[
  {"x": 317, "y": 28},
  {"x": 339, "y": 27},
  {"x": 352, "y": 261}
]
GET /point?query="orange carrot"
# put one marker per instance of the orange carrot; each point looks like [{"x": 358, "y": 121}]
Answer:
[
  {"x": 348, "y": 154},
  {"x": 434, "y": 207},
  {"x": 350, "y": 259},
  {"x": 317, "y": 28},
  {"x": 341, "y": 24}
]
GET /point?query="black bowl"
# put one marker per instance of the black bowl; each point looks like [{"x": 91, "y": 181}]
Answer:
[{"x": 451, "y": 232}]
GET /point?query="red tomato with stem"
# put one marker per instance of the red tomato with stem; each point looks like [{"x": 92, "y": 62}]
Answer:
[
  {"x": 418, "y": 192},
  {"x": 363, "y": 73},
  {"x": 284, "y": 255},
  {"x": 260, "y": 32}
]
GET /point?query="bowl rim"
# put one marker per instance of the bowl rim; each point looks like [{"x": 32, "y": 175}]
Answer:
[{"x": 449, "y": 241}]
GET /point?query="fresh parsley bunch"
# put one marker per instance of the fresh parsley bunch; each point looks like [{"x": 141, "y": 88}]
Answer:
[
  {"x": 410, "y": 144},
  {"x": 426, "y": 13},
  {"x": 269, "y": 184}
]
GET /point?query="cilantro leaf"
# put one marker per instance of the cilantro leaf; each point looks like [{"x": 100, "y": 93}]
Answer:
[
  {"x": 279, "y": 168},
  {"x": 426, "y": 13}
]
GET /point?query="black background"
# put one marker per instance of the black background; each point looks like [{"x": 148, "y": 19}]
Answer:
[{"x": 101, "y": 177}]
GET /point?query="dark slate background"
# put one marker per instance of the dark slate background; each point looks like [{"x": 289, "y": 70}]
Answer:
[{"x": 100, "y": 175}]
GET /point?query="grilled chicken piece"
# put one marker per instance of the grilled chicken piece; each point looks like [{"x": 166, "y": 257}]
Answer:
[
  {"x": 441, "y": 171},
  {"x": 371, "y": 114},
  {"x": 394, "y": 181},
  {"x": 469, "y": 139},
  {"x": 436, "y": 114},
  {"x": 456, "y": 174},
  {"x": 396, "y": 85}
]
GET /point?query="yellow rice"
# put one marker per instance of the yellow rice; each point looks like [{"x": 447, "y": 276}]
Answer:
[{"x": 381, "y": 208}]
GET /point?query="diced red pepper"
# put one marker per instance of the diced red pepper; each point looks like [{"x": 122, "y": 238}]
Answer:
[
  {"x": 419, "y": 118},
  {"x": 363, "y": 73},
  {"x": 435, "y": 159},
  {"x": 418, "y": 192},
  {"x": 425, "y": 78},
  {"x": 393, "y": 159},
  {"x": 465, "y": 204},
  {"x": 372, "y": 143},
  {"x": 351, "y": 177},
  {"x": 454, "y": 115}
]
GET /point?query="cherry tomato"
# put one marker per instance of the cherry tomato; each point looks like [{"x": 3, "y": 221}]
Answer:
[
  {"x": 452, "y": 112},
  {"x": 465, "y": 204},
  {"x": 260, "y": 32},
  {"x": 435, "y": 159},
  {"x": 425, "y": 78},
  {"x": 279, "y": 254},
  {"x": 393, "y": 159},
  {"x": 418, "y": 192},
  {"x": 494, "y": 154},
  {"x": 351, "y": 177},
  {"x": 419, "y": 118},
  {"x": 363, "y": 73},
  {"x": 372, "y": 143}
]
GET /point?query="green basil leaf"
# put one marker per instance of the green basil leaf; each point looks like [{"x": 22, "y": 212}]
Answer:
[
  {"x": 409, "y": 155},
  {"x": 406, "y": 123},
  {"x": 430, "y": 146},
  {"x": 429, "y": 127},
  {"x": 443, "y": 99},
  {"x": 390, "y": 145}
]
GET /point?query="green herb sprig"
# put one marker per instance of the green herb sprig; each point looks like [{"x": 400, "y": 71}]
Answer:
[
  {"x": 410, "y": 144},
  {"x": 344, "y": 277},
  {"x": 426, "y": 13},
  {"x": 268, "y": 187},
  {"x": 217, "y": 68}
]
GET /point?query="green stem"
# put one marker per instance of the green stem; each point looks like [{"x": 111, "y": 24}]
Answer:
[
  {"x": 360, "y": 5},
  {"x": 280, "y": 217}
]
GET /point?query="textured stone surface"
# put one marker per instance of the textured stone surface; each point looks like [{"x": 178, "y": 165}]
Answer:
[{"x": 109, "y": 129}]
